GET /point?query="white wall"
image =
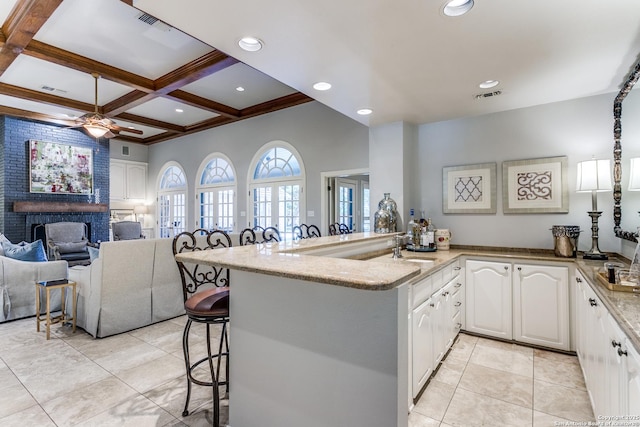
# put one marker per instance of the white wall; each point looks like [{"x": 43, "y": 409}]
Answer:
[
  {"x": 325, "y": 139},
  {"x": 578, "y": 129},
  {"x": 137, "y": 152}
]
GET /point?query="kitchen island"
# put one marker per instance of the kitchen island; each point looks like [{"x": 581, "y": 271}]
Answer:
[{"x": 319, "y": 327}]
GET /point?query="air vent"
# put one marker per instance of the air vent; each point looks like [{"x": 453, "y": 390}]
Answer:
[
  {"x": 48, "y": 88},
  {"x": 488, "y": 94},
  {"x": 125, "y": 150},
  {"x": 147, "y": 19},
  {"x": 153, "y": 21}
]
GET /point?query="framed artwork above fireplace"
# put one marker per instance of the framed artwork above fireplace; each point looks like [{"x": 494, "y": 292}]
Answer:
[{"x": 60, "y": 168}]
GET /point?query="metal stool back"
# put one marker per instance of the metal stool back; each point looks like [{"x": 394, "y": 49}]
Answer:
[
  {"x": 257, "y": 234},
  {"x": 338, "y": 228},
  {"x": 206, "y": 300},
  {"x": 304, "y": 231}
]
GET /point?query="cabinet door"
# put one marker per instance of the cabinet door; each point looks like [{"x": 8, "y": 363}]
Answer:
[
  {"x": 439, "y": 326},
  {"x": 632, "y": 380},
  {"x": 117, "y": 181},
  {"x": 616, "y": 367},
  {"x": 541, "y": 289},
  {"x": 136, "y": 181},
  {"x": 422, "y": 346},
  {"x": 488, "y": 297}
]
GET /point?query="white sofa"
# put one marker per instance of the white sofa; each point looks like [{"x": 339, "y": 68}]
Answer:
[
  {"x": 132, "y": 283},
  {"x": 17, "y": 286}
]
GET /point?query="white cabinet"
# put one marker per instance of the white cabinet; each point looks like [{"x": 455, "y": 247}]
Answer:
[
  {"x": 127, "y": 180},
  {"x": 488, "y": 297},
  {"x": 610, "y": 364},
  {"x": 435, "y": 321},
  {"x": 541, "y": 305}
]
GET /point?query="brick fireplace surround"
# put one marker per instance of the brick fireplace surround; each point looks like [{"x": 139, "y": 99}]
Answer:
[{"x": 14, "y": 181}]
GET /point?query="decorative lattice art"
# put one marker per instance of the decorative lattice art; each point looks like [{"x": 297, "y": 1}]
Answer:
[
  {"x": 468, "y": 188},
  {"x": 534, "y": 185}
]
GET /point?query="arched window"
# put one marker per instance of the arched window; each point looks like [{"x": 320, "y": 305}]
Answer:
[
  {"x": 276, "y": 184},
  {"x": 216, "y": 193},
  {"x": 172, "y": 197}
]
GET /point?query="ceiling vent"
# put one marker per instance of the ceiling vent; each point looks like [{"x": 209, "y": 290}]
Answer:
[
  {"x": 153, "y": 21},
  {"x": 488, "y": 94},
  {"x": 47, "y": 88}
]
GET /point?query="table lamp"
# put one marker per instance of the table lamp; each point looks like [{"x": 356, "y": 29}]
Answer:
[
  {"x": 594, "y": 176},
  {"x": 139, "y": 210}
]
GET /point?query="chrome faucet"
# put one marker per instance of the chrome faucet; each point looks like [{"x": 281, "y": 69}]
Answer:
[{"x": 396, "y": 254}]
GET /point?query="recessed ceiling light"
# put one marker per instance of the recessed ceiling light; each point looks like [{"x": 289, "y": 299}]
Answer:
[
  {"x": 240, "y": 89},
  {"x": 250, "y": 44},
  {"x": 457, "y": 7},
  {"x": 179, "y": 110},
  {"x": 488, "y": 84},
  {"x": 322, "y": 86},
  {"x": 365, "y": 111}
]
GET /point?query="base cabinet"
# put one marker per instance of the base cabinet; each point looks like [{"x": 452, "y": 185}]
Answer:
[
  {"x": 488, "y": 296},
  {"x": 435, "y": 322},
  {"x": 610, "y": 364},
  {"x": 541, "y": 289}
]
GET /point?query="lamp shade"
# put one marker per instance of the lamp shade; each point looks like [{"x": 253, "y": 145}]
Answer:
[
  {"x": 594, "y": 175},
  {"x": 140, "y": 209},
  {"x": 96, "y": 131},
  {"x": 634, "y": 177}
]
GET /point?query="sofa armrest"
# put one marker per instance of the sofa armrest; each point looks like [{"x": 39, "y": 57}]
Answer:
[{"x": 89, "y": 288}]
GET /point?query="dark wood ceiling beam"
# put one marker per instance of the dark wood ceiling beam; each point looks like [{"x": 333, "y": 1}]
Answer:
[
  {"x": 83, "y": 64},
  {"x": 286, "y": 101},
  {"x": 203, "y": 103},
  {"x": 150, "y": 122},
  {"x": 32, "y": 95},
  {"x": 197, "y": 69},
  {"x": 127, "y": 101},
  {"x": 17, "y": 112},
  {"x": 24, "y": 21}
]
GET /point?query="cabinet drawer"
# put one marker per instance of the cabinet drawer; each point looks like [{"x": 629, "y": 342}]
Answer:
[
  {"x": 422, "y": 291},
  {"x": 450, "y": 271}
]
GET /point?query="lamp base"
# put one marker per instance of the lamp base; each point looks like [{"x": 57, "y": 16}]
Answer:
[{"x": 596, "y": 256}]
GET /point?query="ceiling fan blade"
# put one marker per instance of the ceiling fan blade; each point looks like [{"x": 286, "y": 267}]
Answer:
[
  {"x": 122, "y": 129},
  {"x": 109, "y": 135}
]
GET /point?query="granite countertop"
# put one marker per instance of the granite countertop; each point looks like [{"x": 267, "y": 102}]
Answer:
[{"x": 381, "y": 272}]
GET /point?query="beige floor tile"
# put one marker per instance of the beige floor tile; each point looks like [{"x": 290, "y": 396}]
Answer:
[
  {"x": 86, "y": 402},
  {"x": 502, "y": 345},
  {"x": 498, "y": 384},
  {"x": 7, "y": 378},
  {"x": 136, "y": 412},
  {"x": 154, "y": 373},
  {"x": 471, "y": 409},
  {"x": 14, "y": 399},
  {"x": 418, "y": 420},
  {"x": 434, "y": 401},
  {"x": 131, "y": 357},
  {"x": 450, "y": 371},
  {"x": 203, "y": 415},
  {"x": 462, "y": 347},
  {"x": 565, "y": 402},
  {"x": 171, "y": 396},
  {"x": 104, "y": 347},
  {"x": 32, "y": 416},
  {"x": 514, "y": 361},
  {"x": 540, "y": 419},
  {"x": 563, "y": 370}
]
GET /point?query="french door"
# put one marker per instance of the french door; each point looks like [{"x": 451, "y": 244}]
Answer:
[
  {"x": 347, "y": 202},
  {"x": 215, "y": 209},
  {"x": 278, "y": 205},
  {"x": 172, "y": 216}
]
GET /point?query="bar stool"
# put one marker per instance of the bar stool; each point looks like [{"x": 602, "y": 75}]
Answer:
[
  {"x": 257, "y": 234},
  {"x": 206, "y": 301},
  {"x": 304, "y": 231}
]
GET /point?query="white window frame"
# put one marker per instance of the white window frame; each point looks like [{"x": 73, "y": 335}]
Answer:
[
  {"x": 218, "y": 189},
  {"x": 275, "y": 184},
  {"x": 171, "y": 193}
]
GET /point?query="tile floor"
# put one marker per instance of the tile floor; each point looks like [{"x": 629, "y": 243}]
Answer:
[
  {"x": 74, "y": 380},
  {"x": 484, "y": 382}
]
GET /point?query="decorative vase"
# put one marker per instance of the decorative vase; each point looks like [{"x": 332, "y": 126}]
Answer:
[
  {"x": 390, "y": 205},
  {"x": 382, "y": 221}
]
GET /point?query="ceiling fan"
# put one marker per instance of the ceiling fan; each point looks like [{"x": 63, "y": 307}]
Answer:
[{"x": 98, "y": 125}]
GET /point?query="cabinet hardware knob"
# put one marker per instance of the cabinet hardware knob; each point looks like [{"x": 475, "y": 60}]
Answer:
[
  {"x": 593, "y": 302},
  {"x": 457, "y": 285},
  {"x": 622, "y": 352},
  {"x": 457, "y": 268},
  {"x": 506, "y": 268},
  {"x": 458, "y": 304},
  {"x": 432, "y": 305},
  {"x": 579, "y": 280},
  {"x": 444, "y": 294},
  {"x": 459, "y": 326},
  {"x": 519, "y": 268},
  {"x": 615, "y": 344}
]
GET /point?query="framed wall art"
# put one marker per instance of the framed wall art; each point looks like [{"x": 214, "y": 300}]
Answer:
[
  {"x": 469, "y": 189},
  {"x": 535, "y": 185},
  {"x": 60, "y": 168}
]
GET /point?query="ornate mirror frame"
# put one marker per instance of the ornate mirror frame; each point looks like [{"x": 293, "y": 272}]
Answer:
[{"x": 617, "y": 155}]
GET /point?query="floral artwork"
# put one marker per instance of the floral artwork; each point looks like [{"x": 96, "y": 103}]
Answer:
[{"x": 60, "y": 168}]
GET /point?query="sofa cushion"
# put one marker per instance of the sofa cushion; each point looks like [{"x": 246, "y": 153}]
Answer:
[
  {"x": 3, "y": 239},
  {"x": 93, "y": 253},
  {"x": 70, "y": 247},
  {"x": 25, "y": 251}
]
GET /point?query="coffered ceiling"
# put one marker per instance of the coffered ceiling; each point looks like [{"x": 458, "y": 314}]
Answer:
[{"x": 154, "y": 78}]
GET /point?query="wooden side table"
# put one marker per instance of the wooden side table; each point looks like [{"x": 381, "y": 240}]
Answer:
[{"x": 64, "y": 312}]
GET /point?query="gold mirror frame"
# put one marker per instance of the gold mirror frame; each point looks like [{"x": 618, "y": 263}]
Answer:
[{"x": 617, "y": 155}]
